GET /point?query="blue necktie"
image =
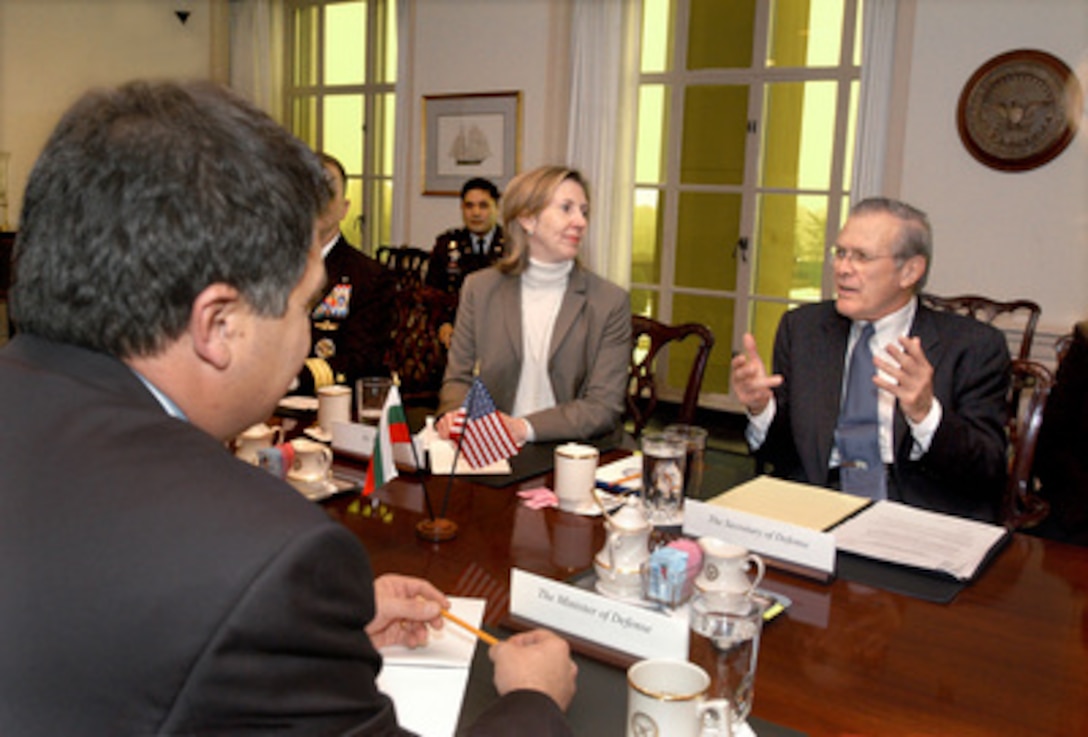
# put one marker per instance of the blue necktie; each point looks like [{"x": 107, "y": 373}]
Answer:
[{"x": 857, "y": 435}]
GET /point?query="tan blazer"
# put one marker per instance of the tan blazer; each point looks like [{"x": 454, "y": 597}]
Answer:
[{"x": 588, "y": 360}]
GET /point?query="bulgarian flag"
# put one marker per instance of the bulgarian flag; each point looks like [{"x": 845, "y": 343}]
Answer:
[{"x": 392, "y": 428}]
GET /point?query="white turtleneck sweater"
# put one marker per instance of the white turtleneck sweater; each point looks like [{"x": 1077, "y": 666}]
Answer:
[{"x": 542, "y": 289}]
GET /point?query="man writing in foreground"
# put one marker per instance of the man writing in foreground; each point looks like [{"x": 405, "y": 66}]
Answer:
[
  {"x": 154, "y": 584},
  {"x": 917, "y": 414}
]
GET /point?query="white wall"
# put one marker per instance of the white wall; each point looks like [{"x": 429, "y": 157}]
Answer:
[
  {"x": 485, "y": 46},
  {"x": 1005, "y": 235},
  {"x": 53, "y": 50}
]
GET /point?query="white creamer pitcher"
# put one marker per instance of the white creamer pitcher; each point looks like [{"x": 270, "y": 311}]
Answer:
[
  {"x": 626, "y": 548},
  {"x": 254, "y": 438},
  {"x": 725, "y": 571}
]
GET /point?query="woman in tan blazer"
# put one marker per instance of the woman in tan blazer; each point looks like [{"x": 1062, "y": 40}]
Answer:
[{"x": 551, "y": 339}]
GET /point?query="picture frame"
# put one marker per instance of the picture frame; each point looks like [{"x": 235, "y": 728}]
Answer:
[{"x": 470, "y": 135}]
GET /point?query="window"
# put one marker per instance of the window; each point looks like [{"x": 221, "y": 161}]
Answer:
[
  {"x": 743, "y": 164},
  {"x": 342, "y": 64}
]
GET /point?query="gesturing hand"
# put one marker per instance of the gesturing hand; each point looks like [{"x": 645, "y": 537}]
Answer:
[
  {"x": 912, "y": 377},
  {"x": 750, "y": 381}
]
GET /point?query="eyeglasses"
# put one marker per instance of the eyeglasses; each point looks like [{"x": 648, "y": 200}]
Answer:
[{"x": 856, "y": 257}]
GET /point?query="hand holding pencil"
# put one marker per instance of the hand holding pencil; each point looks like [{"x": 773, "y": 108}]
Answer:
[
  {"x": 539, "y": 660},
  {"x": 404, "y": 609}
]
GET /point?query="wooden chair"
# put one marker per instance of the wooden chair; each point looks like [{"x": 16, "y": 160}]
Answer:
[
  {"x": 408, "y": 264},
  {"x": 415, "y": 353},
  {"x": 988, "y": 310},
  {"x": 642, "y": 383},
  {"x": 1031, "y": 384},
  {"x": 1061, "y": 347}
]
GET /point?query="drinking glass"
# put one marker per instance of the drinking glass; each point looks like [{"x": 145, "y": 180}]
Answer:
[
  {"x": 725, "y": 643},
  {"x": 370, "y": 393},
  {"x": 663, "y": 479},
  {"x": 694, "y": 439}
]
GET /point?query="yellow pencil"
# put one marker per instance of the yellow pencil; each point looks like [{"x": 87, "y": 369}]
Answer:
[{"x": 489, "y": 639}]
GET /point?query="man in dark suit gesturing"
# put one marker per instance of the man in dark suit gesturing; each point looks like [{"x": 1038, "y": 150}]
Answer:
[
  {"x": 154, "y": 584},
  {"x": 935, "y": 382}
]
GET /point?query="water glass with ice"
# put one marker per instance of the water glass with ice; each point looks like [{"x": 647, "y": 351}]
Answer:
[{"x": 725, "y": 643}]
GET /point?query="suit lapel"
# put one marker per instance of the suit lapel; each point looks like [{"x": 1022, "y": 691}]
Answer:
[
  {"x": 835, "y": 332},
  {"x": 574, "y": 300},
  {"x": 510, "y": 303},
  {"x": 924, "y": 328}
]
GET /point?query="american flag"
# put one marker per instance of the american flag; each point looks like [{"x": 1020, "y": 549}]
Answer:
[{"x": 486, "y": 439}]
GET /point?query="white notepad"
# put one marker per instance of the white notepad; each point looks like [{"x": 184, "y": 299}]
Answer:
[{"x": 427, "y": 684}]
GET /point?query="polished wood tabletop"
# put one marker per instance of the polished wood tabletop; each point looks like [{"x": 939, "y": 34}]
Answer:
[{"x": 1008, "y": 656}]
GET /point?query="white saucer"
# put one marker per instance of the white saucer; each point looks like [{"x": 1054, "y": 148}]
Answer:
[
  {"x": 299, "y": 403},
  {"x": 593, "y": 509},
  {"x": 313, "y": 489},
  {"x": 318, "y": 434},
  {"x": 635, "y": 599}
]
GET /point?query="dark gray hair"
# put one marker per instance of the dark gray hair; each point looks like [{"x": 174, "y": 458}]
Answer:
[
  {"x": 147, "y": 194},
  {"x": 915, "y": 232}
]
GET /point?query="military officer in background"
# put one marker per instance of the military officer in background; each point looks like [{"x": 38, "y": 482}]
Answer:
[
  {"x": 352, "y": 321},
  {"x": 460, "y": 251}
]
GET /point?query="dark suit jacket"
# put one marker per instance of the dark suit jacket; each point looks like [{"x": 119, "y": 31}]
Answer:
[
  {"x": 963, "y": 472},
  {"x": 1062, "y": 456},
  {"x": 588, "y": 360},
  {"x": 453, "y": 258},
  {"x": 358, "y": 341},
  {"x": 155, "y": 585}
]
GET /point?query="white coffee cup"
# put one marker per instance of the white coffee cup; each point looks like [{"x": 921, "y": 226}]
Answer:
[
  {"x": 575, "y": 475},
  {"x": 312, "y": 462},
  {"x": 333, "y": 405},
  {"x": 667, "y": 698}
]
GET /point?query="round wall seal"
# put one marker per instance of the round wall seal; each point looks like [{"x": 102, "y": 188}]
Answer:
[{"x": 1019, "y": 110}]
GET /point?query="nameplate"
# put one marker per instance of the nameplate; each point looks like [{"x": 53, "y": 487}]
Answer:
[
  {"x": 628, "y": 628},
  {"x": 357, "y": 439},
  {"x": 793, "y": 544}
]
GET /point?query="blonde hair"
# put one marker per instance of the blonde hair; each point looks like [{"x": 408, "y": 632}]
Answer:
[{"x": 526, "y": 196}]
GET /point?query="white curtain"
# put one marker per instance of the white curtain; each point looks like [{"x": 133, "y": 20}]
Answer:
[
  {"x": 257, "y": 53},
  {"x": 603, "y": 125},
  {"x": 877, "y": 57},
  {"x": 405, "y": 121}
]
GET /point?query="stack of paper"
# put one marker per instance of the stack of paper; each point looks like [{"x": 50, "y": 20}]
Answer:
[
  {"x": 812, "y": 507},
  {"x": 442, "y": 454},
  {"x": 622, "y": 475},
  {"x": 427, "y": 684},
  {"x": 898, "y": 533}
]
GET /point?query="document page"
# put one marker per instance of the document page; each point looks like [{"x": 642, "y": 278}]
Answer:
[
  {"x": 442, "y": 454},
  {"x": 427, "y": 684},
  {"x": 799, "y": 504},
  {"x": 898, "y": 533}
]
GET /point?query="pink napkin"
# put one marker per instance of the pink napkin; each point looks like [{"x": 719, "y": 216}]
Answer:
[{"x": 539, "y": 498}]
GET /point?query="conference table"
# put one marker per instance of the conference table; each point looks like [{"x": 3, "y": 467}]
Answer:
[{"x": 1009, "y": 655}]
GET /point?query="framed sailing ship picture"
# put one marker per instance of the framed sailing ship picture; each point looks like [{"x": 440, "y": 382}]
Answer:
[{"x": 465, "y": 136}]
